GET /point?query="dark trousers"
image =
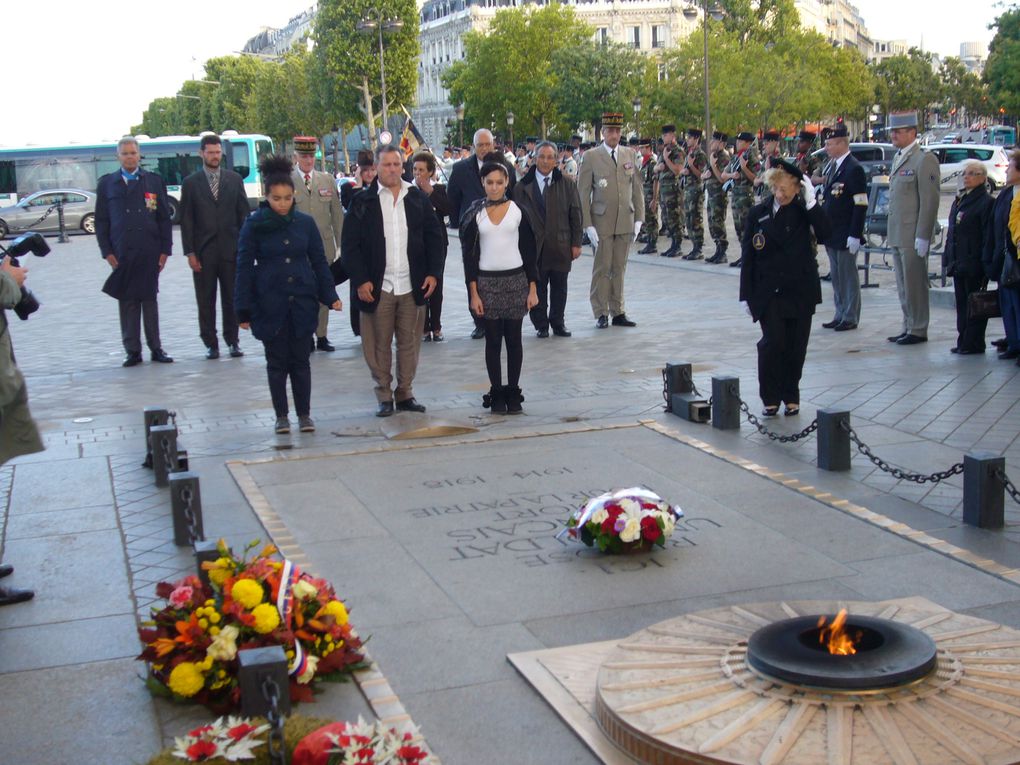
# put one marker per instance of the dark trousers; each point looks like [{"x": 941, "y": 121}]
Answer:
[
  {"x": 216, "y": 272},
  {"x": 552, "y": 299},
  {"x": 134, "y": 313},
  {"x": 434, "y": 308},
  {"x": 781, "y": 352},
  {"x": 287, "y": 356},
  {"x": 1009, "y": 301},
  {"x": 971, "y": 332}
]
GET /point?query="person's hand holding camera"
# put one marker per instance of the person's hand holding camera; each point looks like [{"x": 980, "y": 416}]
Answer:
[{"x": 16, "y": 272}]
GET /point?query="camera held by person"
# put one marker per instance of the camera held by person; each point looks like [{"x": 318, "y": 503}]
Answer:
[{"x": 26, "y": 243}]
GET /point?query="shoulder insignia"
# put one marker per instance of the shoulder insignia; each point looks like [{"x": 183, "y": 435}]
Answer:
[{"x": 861, "y": 199}]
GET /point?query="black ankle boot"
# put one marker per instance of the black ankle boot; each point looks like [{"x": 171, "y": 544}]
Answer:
[
  {"x": 513, "y": 397},
  {"x": 648, "y": 249},
  {"x": 494, "y": 400},
  {"x": 674, "y": 248}
]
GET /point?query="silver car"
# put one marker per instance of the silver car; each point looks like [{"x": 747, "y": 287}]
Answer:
[{"x": 38, "y": 212}]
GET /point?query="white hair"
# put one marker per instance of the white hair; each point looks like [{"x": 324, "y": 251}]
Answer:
[
  {"x": 128, "y": 139},
  {"x": 479, "y": 133}
]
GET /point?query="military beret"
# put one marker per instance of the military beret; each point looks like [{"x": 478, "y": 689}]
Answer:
[
  {"x": 531, "y": 139},
  {"x": 770, "y": 135},
  {"x": 633, "y": 141},
  {"x": 718, "y": 135},
  {"x": 839, "y": 131},
  {"x": 575, "y": 137},
  {"x": 806, "y": 135},
  {"x": 668, "y": 129},
  {"x": 693, "y": 132},
  {"x": 745, "y": 136},
  {"x": 788, "y": 167}
]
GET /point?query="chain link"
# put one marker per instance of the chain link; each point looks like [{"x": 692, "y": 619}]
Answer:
[
  {"x": 665, "y": 390},
  {"x": 1007, "y": 484},
  {"x": 189, "y": 515},
  {"x": 271, "y": 693},
  {"x": 776, "y": 436},
  {"x": 45, "y": 215},
  {"x": 167, "y": 462},
  {"x": 900, "y": 475}
]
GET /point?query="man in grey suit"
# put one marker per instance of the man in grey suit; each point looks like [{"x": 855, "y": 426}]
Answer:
[
  {"x": 611, "y": 203},
  {"x": 913, "y": 206},
  {"x": 315, "y": 194},
  {"x": 214, "y": 205}
]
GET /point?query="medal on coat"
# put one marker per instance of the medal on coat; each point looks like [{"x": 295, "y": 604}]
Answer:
[
  {"x": 758, "y": 241},
  {"x": 150, "y": 201}
]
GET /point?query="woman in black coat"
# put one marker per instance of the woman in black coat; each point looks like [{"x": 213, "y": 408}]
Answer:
[
  {"x": 424, "y": 170},
  {"x": 282, "y": 276},
  {"x": 779, "y": 281},
  {"x": 966, "y": 240}
]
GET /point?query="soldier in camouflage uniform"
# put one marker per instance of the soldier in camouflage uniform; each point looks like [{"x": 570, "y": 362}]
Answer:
[
  {"x": 670, "y": 193},
  {"x": 715, "y": 193},
  {"x": 650, "y": 184},
  {"x": 740, "y": 175},
  {"x": 804, "y": 158},
  {"x": 694, "y": 192},
  {"x": 770, "y": 155}
]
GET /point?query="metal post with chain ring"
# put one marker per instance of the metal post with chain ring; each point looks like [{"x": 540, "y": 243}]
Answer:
[
  {"x": 186, "y": 508},
  {"x": 276, "y": 748}
]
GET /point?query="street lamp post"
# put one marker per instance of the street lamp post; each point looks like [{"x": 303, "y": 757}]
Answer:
[
  {"x": 375, "y": 22},
  {"x": 460, "y": 123},
  {"x": 510, "y": 124},
  {"x": 636, "y": 103},
  {"x": 717, "y": 13}
]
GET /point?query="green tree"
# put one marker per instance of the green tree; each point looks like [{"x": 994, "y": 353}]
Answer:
[
  {"x": 592, "y": 78},
  {"x": 509, "y": 67},
  {"x": 349, "y": 59},
  {"x": 289, "y": 98},
  {"x": 961, "y": 89},
  {"x": 1002, "y": 70},
  {"x": 907, "y": 82},
  {"x": 761, "y": 21},
  {"x": 230, "y": 104}
]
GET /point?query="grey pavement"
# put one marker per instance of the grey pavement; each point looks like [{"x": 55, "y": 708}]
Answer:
[{"x": 444, "y": 548}]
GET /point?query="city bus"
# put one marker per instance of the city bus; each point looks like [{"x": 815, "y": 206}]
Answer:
[{"x": 29, "y": 169}]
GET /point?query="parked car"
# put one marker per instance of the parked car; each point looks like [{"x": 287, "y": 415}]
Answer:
[
  {"x": 37, "y": 212},
  {"x": 952, "y": 157},
  {"x": 875, "y": 158}
]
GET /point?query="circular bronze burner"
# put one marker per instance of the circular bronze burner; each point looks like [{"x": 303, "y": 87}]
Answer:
[{"x": 888, "y": 654}]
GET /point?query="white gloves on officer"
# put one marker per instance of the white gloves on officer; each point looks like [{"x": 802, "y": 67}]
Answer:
[
  {"x": 592, "y": 236},
  {"x": 809, "y": 192},
  {"x": 921, "y": 245},
  {"x": 853, "y": 244}
]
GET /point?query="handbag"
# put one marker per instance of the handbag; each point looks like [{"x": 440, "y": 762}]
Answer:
[{"x": 983, "y": 304}]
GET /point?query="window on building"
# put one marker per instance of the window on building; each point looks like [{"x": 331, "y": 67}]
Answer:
[
  {"x": 634, "y": 37},
  {"x": 663, "y": 73},
  {"x": 659, "y": 36},
  {"x": 602, "y": 35}
]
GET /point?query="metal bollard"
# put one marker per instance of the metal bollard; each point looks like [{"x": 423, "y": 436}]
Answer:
[
  {"x": 983, "y": 492},
  {"x": 153, "y": 415},
  {"x": 163, "y": 439},
  {"x": 205, "y": 551},
  {"x": 186, "y": 507},
  {"x": 726, "y": 403},
  {"x": 256, "y": 665},
  {"x": 678, "y": 379},
  {"x": 833, "y": 440}
]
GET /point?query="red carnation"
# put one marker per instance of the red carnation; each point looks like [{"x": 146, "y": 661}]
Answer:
[
  {"x": 201, "y": 750},
  {"x": 650, "y": 528}
]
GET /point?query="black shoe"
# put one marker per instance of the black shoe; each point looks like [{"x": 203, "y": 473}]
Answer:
[
  {"x": 602, "y": 323},
  {"x": 911, "y": 340},
  {"x": 161, "y": 357},
  {"x": 212, "y": 353},
  {"x": 694, "y": 254},
  {"x": 845, "y": 326},
  {"x": 648, "y": 249},
  {"x": 478, "y": 333},
  {"x": 410, "y": 405},
  {"x": 736, "y": 263},
  {"x": 954, "y": 349},
  {"x": 674, "y": 248},
  {"x": 6, "y": 570},
  {"x": 306, "y": 424},
  {"x": 132, "y": 360},
  {"x": 719, "y": 257},
  {"x": 437, "y": 337},
  {"x": 513, "y": 397},
  {"x": 282, "y": 425},
  {"x": 791, "y": 410},
  {"x": 896, "y": 338},
  {"x": 544, "y": 332},
  {"x": 494, "y": 400},
  {"x": 770, "y": 411},
  {"x": 969, "y": 352},
  {"x": 1002, "y": 343},
  {"x": 623, "y": 321},
  {"x": 831, "y": 324},
  {"x": 427, "y": 338},
  {"x": 1004, "y": 355},
  {"x": 235, "y": 351},
  {"x": 323, "y": 344},
  {"x": 385, "y": 409},
  {"x": 9, "y": 596},
  {"x": 561, "y": 331}
]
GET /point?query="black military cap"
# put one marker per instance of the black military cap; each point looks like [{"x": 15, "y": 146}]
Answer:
[
  {"x": 745, "y": 136},
  {"x": 771, "y": 135},
  {"x": 788, "y": 167},
  {"x": 531, "y": 139},
  {"x": 633, "y": 141},
  {"x": 806, "y": 135},
  {"x": 575, "y": 137},
  {"x": 718, "y": 135},
  {"x": 839, "y": 131},
  {"x": 668, "y": 129},
  {"x": 693, "y": 132}
]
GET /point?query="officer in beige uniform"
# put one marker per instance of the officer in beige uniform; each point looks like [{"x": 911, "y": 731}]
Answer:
[
  {"x": 913, "y": 206},
  {"x": 611, "y": 203},
  {"x": 315, "y": 194}
]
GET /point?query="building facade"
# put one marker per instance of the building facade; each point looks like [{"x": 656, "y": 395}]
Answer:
[
  {"x": 270, "y": 42},
  {"x": 838, "y": 21},
  {"x": 974, "y": 55}
]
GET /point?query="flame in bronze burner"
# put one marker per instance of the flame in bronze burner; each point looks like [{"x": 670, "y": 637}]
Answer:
[{"x": 835, "y": 637}]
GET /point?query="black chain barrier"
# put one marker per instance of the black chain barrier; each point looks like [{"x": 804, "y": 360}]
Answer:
[
  {"x": 45, "y": 215},
  {"x": 170, "y": 467},
  {"x": 895, "y": 472},
  {"x": 793, "y": 437},
  {"x": 189, "y": 515},
  {"x": 1008, "y": 485},
  {"x": 665, "y": 390},
  {"x": 271, "y": 693}
]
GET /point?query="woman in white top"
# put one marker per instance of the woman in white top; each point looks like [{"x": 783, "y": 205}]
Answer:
[{"x": 501, "y": 269}]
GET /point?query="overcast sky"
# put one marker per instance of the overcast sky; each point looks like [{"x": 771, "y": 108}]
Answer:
[{"x": 86, "y": 71}]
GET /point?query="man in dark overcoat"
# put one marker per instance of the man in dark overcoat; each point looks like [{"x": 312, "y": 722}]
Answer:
[
  {"x": 213, "y": 208},
  {"x": 134, "y": 236}
]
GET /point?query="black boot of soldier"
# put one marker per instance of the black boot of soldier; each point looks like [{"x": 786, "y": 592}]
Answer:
[
  {"x": 674, "y": 248},
  {"x": 719, "y": 256},
  {"x": 694, "y": 254},
  {"x": 649, "y": 248}
]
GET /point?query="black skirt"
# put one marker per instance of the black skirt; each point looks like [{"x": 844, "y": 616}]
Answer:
[{"x": 504, "y": 294}]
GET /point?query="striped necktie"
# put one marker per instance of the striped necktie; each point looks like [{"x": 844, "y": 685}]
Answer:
[
  {"x": 214, "y": 185},
  {"x": 308, "y": 182}
]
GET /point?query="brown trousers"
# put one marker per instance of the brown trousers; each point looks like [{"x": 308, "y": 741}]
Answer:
[{"x": 394, "y": 315}]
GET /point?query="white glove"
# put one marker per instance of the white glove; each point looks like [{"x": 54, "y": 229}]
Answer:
[
  {"x": 921, "y": 245},
  {"x": 853, "y": 244},
  {"x": 809, "y": 192},
  {"x": 592, "y": 236},
  {"x": 637, "y": 233}
]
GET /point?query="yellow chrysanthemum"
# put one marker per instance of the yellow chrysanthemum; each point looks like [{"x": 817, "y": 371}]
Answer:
[
  {"x": 218, "y": 576},
  {"x": 247, "y": 592},
  {"x": 337, "y": 610},
  {"x": 186, "y": 679},
  {"x": 267, "y": 618}
]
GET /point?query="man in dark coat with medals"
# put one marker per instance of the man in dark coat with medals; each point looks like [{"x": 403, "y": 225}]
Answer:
[{"x": 134, "y": 236}]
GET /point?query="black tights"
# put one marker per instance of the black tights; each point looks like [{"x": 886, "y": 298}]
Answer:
[{"x": 496, "y": 332}]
